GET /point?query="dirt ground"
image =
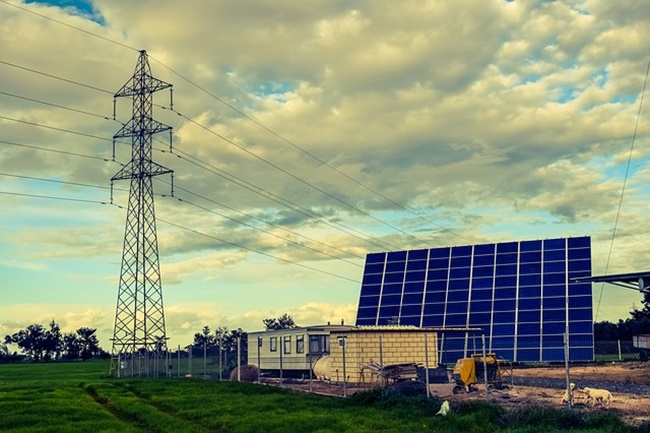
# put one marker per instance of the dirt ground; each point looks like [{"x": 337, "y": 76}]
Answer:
[{"x": 633, "y": 407}]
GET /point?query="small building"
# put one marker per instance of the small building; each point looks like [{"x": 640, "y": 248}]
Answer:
[
  {"x": 380, "y": 345},
  {"x": 296, "y": 351}
]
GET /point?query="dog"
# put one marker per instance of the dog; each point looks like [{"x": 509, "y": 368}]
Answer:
[
  {"x": 597, "y": 396},
  {"x": 565, "y": 397}
]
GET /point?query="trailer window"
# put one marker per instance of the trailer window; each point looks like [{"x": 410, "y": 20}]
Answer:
[
  {"x": 300, "y": 344},
  {"x": 287, "y": 344},
  {"x": 319, "y": 344},
  {"x": 273, "y": 344}
]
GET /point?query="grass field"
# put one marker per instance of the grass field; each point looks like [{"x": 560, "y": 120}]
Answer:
[{"x": 79, "y": 397}]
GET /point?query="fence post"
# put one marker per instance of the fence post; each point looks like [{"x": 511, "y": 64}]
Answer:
[
  {"x": 485, "y": 371},
  {"x": 190, "y": 361},
  {"x": 205, "y": 355},
  {"x": 620, "y": 355},
  {"x": 220, "y": 363},
  {"x": 426, "y": 364},
  {"x": 179, "y": 361},
  {"x": 259, "y": 360},
  {"x": 238, "y": 359},
  {"x": 345, "y": 378},
  {"x": 566, "y": 366},
  {"x": 381, "y": 361},
  {"x": 280, "y": 349}
]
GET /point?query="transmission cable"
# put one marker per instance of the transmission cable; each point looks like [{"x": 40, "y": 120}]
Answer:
[
  {"x": 69, "y": 25},
  {"x": 106, "y": 139},
  {"x": 265, "y": 128},
  {"x": 298, "y": 244},
  {"x": 176, "y": 187},
  {"x": 38, "y": 101},
  {"x": 273, "y": 197},
  {"x": 625, "y": 178},
  {"x": 257, "y": 251},
  {"x": 299, "y": 179},
  {"x": 54, "y": 76}
]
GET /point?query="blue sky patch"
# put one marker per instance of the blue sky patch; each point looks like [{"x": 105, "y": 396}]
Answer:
[{"x": 82, "y": 8}]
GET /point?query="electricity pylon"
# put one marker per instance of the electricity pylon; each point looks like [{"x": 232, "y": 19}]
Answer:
[{"x": 139, "y": 336}]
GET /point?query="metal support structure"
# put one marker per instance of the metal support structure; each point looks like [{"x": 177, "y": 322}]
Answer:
[{"x": 139, "y": 318}]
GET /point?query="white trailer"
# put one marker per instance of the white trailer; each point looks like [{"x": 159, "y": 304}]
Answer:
[{"x": 294, "y": 351}]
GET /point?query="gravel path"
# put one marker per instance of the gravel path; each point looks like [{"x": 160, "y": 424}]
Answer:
[{"x": 541, "y": 382}]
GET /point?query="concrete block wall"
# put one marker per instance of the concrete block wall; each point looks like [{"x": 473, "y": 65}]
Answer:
[{"x": 397, "y": 347}]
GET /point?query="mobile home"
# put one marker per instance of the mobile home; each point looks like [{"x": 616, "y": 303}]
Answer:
[{"x": 294, "y": 351}]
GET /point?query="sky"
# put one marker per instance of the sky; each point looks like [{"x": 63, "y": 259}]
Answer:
[{"x": 308, "y": 134}]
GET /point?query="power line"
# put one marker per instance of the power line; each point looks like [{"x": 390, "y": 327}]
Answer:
[
  {"x": 62, "y": 182},
  {"x": 63, "y": 152},
  {"x": 55, "y": 128},
  {"x": 299, "y": 179},
  {"x": 310, "y": 154},
  {"x": 625, "y": 177},
  {"x": 270, "y": 131},
  {"x": 88, "y": 86},
  {"x": 283, "y": 201},
  {"x": 258, "y": 252},
  {"x": 69, "y": 25},
  {"x": 51, "y": 197},
  {"x": 228, "y": 176},
  {"x": 298, "y": 244},
  {"x": 186, "y": 201},
  {"x": 38, "y": 101}
]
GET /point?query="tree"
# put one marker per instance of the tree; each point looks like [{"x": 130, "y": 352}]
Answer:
[
  {"x": 30, "y": 340},
  {"x": 283, "y": 322},
  {"x": 88, "y": 342},
  {"x": 204, "y": 338},
  {"x": 71, "y": 349},
  {"x": 52, "y": 342},
  {"x": 643, "y": 313}
]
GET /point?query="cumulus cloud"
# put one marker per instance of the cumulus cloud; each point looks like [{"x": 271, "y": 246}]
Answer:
[{"x": 317, "y": 126}]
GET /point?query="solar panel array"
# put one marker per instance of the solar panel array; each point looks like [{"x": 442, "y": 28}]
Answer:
[{"x": 521, "y": 294}]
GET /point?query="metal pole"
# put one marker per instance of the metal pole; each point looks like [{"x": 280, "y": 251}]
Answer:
[
  {"x": 179, "y": 361},
  {"x": 566, "y": 366},
  {"x": 485, "y": 370},
  {"x": 381, "y": 361},
  {"x": 205, "y": 356},
  {"x": 426, "y": 364},
  {"x": 238, "y": 359},
  {"x": 345, "y": 376},
  {"x": 281, "y": 348},
  {"x": 190, "y": 361},
  {"x": 310, "y": 373},
  {"x": 620, "y": 357},
  {"x": 259, "y": 362},
  {"x": 220, "y": 363}
]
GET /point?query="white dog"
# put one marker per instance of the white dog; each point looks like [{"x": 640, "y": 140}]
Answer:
[
  {"x": 565, "y": 397},
  {"x": 594, "y": 395}
]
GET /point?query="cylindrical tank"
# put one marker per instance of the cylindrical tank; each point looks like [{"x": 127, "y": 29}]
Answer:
[{"x": 322, "y": 368}]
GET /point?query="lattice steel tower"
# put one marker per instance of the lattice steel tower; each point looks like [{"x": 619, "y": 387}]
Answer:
[{"x": 139, "y": 336}]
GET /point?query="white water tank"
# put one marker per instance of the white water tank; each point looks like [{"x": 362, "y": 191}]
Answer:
[{"x": 322, "y": 368}]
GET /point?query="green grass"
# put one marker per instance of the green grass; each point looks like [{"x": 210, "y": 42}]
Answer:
[{"x": 79, "y": 397}]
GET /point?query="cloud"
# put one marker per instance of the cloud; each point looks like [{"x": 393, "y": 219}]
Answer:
[{"x": 301, "y": 127}]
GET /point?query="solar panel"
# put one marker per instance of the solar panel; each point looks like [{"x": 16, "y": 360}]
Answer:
[{"x": 522, "y": 294}]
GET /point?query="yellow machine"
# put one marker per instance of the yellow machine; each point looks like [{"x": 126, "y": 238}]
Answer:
[{"x": 470, "y": 371}]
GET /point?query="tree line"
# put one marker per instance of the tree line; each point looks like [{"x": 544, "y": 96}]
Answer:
[{"x": 40, "y": 343}]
